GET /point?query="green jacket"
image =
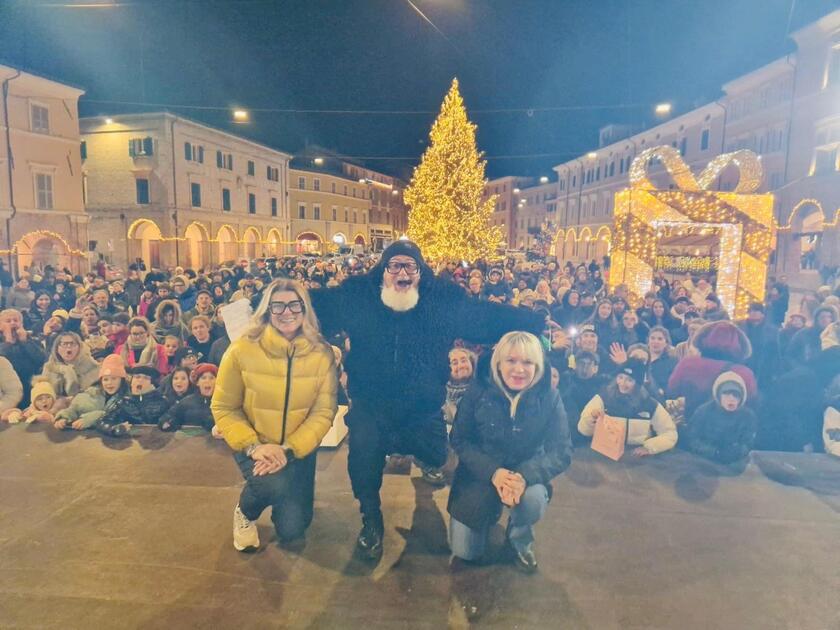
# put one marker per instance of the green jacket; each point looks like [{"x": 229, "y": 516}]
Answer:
[{"x": 87, "y": 406}]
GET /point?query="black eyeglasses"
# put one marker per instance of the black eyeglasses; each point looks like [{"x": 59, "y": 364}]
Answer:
[
  {"x": 278, "y": 308},
  {"x": 411, "y": 268}
]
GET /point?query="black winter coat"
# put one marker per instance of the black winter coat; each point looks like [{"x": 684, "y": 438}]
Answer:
[
  {"x": 135, "y": 409},
  {"x": 398, "y": 363},
  {"x": 720, "y": 435},
  {"x": 28, "y": 360},
  {"x": 535, "y": 444},
  {"x": 193, "y": 410}
]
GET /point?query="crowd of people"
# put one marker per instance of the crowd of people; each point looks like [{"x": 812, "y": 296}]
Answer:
[{"x": 510, "y": 365}]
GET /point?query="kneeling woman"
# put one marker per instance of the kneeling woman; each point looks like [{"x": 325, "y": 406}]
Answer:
[
  {"x": 649, "y": 427},
  {"x": 512, "y": 439},
  {"x": 275, "y": 400}
]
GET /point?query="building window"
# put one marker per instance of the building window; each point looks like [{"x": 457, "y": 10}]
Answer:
[
  {"x": 252, "y": 203},
  {"x": 346, "y": 215},
  {"x": 612, "y": 169},
  {"x": 252, "y": 168},
  {"x": 224, "y": 160},
  {"x": 44, "y": 191},
  {"x": 142, "y": 186},
  {"x": 272, "y": 173},
  {"x": 332, "y": 186},
  {"x": 825, "y": 161},
  {"x": 833, "y": 75},
  {"x": 83, "y": 150},
  {"x": 141, "y": 147},
  {"x": 226, "y": 199},
  {"x": 355, "y": 217},
  {"x": 195, "y": 193},
  {"x": 302, "y": 183},
  {"x": 334, "y": 213},
  {"x": 301, "y": 211},
  {"x": 704, "y": 140},
  {"x": 316, "y": 184},
  {"x": 188, "y": 151},
  {"x": 219, "y": 160},
  {"x": 193, "y": 153},
  {"x": 683, "y": 146},
  {"x": 574, "y": 181},
  {"x": 316, "y": 212},
  {"x": 40, "y": 119}
]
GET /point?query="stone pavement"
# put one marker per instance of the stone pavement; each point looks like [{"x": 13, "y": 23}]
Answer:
[{"x": 102, "y": 533}]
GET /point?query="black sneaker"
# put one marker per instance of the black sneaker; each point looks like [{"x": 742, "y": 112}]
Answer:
[
  {"x": 433, "y": 476},
  {"x": 369, "y": 542}
]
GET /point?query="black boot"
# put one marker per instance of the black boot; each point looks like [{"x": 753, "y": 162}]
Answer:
[
  {"x": 525, "y": 560},
  {"x": 369, "y": 542}
]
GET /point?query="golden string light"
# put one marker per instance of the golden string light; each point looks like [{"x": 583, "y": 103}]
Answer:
[{"x": 743, "y": 222}]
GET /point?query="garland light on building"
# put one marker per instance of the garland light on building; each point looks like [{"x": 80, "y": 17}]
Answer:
[{"x": 448, "y": 217}]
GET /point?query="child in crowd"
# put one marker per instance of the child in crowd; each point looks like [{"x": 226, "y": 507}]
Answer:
[
  {"x": 171, "y": 345},
  {"x": 194, "y": 409},
  {"x": 88, "y": 407},
  {"x": 723, "y": 429},
  {"x": 176, "y": 386},
  {"x": 143, "y": 404},
  {"x": 42, "y": 409}
]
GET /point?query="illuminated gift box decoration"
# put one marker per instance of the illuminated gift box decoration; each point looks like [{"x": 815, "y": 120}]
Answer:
[{"x": 744, "y": 223}]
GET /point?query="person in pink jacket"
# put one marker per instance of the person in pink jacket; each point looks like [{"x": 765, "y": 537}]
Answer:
[{"x": 141, "y": 348}]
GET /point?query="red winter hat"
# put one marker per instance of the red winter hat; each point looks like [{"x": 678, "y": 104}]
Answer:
[
  {"x": 723, "y": 340},
  {"x": 202, "y": 368}
]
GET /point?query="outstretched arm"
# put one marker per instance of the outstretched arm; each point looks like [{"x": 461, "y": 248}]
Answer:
[
  {"x": 486, "y": 322},
  {"x": 330, "y": 307}
]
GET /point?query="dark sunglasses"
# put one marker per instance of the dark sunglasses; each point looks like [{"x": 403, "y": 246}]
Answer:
[{"x": 278, "y": 308}]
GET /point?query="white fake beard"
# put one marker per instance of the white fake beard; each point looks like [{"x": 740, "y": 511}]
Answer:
[{"x": 400, "y": 301}]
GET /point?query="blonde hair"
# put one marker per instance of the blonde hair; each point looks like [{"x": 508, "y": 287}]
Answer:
[
  {"x": 310, "y": 329},
  {"x": 531, "y": 347}
]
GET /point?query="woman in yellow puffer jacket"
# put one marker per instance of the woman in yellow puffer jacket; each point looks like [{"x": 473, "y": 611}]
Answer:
[{"x": 274, "y": 401}]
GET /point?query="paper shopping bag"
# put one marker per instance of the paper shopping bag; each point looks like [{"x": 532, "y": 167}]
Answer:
[{"x": 609, "y": 437}]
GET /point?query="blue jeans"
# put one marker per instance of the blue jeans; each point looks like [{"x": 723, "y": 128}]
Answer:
[
  {"x": 290, "y": 493},
  {"x": 468, "y": 544}
]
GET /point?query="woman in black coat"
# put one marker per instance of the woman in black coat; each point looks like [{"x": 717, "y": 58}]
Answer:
[{"x": 512, "y": 439}]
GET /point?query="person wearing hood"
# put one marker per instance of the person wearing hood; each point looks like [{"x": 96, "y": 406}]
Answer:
[
  {"x": 168, "y": 322},
  {"x": 650, "y": 427},
  {"x": 722, "y": 347},
  {"x": 713, "y": 311},
  {"x": 806, "y": 343},
  {"x": 401, "y": 321},
  {"x": 512, "y": 439},
  {"x": 723, "y": 429},
  {"x": 496, "y": 289},
  {"x": 70, "y": 368},
  {"x": 568, "y": 313},
  {"x": 88, "y": 407}
]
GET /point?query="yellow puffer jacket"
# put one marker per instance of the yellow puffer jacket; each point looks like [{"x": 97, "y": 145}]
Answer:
[{"x": 250, "y": 403}]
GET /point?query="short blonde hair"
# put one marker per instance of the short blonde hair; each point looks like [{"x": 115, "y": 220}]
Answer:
[{"x": 531, "y": 347}]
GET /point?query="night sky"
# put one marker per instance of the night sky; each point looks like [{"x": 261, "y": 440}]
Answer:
[{"x": 610, "y": 60}]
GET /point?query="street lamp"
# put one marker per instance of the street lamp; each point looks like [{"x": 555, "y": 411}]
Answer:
[
  {"x": 662, "y": 109},
  {"x": 240, "y": 116},
  {"x": 543, "y": 180},
  {"x": 109, "y": 121},
  {"x": 318, "y": 161},
  {"x": 515, "y": 191},
  {"x": 592, "y": 155}
]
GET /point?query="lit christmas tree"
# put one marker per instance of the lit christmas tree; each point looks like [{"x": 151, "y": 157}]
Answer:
[{"x": 448, "y": 218}]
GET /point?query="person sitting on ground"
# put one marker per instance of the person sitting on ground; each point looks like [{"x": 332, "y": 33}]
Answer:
[
  {"x": 462, "y": 363},
  {"x": 142, "y": 404},
  {"x": 11, "y": 389},
  {"x": 723, "y": 429},
  {"x": 578, "y": 387},
  {"x": 194, "y": 409},
  {"x": 662, "y": 362},
  {"x": 168, "y": 322},
  {"x": 806, "y": 344},
  {"x": 42, "y": 409},
  {"x": 88, "y": 407},
  {"x": 141, "y": 348},
  {"x": 70, "y": 368},
  {"x": 497, "y": 289},
  {"x": 649, "y": 426},
  {"x": 512, "y": 439},
  {"x": 177, "y": 386},
  {"x": 24, "y": 353},
  {"x": 38, "y": 312}
]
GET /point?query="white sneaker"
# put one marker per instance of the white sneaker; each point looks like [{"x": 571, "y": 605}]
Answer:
[{"x": 245, "y": 535}]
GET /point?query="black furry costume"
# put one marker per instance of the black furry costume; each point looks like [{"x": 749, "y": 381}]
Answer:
[{"x": 398, "y": 363}]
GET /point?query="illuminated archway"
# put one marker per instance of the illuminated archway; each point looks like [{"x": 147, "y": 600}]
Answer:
[
  {"x": 251, "y": 238},
  {"x": 585, "y": 242},
  {"x": 360, "y": 240},
  {"x": 602, "y": 242},
  {"x": 556, "y": 248},
  {"x": 274, "y": 242},
  {"x": 144, "y": 239},
  {"x": 197, "y": 245},
  {"x": 570, "y": 244},
  {"x": 227, "y": 240},
  {"x": 37, "y": 249},
  {"x": 309, "y": 243}
]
